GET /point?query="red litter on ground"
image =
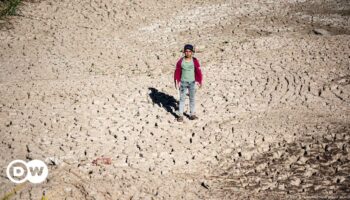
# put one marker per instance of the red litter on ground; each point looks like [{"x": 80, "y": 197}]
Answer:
[{"x": 102, "y": 160}]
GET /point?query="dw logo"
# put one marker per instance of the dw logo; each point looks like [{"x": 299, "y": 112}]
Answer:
[{"x": 35, "y": 171}]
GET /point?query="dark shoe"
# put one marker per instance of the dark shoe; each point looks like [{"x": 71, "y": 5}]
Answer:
[
  {"x": 180, "y": 119},
  {"x": 193, "y": 117}
]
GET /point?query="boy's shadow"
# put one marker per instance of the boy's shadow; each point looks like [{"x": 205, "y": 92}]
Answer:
[{"x": 169, "y": 103}]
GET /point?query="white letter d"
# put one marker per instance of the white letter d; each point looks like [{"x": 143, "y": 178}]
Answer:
[{"x": 18, "y": 171}]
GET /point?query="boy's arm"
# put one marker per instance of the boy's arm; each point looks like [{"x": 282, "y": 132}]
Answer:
[
  {"x": 176, "y": 75},
  {"x": 200, "y": 75}
]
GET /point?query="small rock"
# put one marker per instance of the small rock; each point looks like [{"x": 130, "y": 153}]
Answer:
[
  {"x": 281, "y": 187},
  {"x": 296, "y": 182},
  {"x": 319, "y": 31},
  {"x": 68, "y": 189},
  {"x": 205, "y": 185},
  {"x": 52, "y": 161},
  {"x": 228, "y": 151}
]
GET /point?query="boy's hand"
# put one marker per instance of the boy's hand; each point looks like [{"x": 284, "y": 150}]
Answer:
[
  {"x": 177, "y": 84},
  {"x": 199, "y": 85}
]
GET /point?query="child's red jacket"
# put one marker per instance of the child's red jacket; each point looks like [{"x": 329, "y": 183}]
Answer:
[{"x": 197, "y": 71}]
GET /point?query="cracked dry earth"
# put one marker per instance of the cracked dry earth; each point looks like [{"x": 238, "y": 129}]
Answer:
[{"x": 82, "y": 80}]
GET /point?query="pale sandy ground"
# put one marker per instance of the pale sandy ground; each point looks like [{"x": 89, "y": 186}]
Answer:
[{"x": 85, "y": 79}]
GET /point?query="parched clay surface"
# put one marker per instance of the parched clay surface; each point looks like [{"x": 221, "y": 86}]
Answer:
[{"x": 81, "y": 80}]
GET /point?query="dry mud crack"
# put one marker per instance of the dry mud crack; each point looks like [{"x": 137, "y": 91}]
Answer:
[{"x": 83, "y": 80}]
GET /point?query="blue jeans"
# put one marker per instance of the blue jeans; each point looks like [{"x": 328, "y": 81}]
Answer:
[{"x": 191, "y": 86}]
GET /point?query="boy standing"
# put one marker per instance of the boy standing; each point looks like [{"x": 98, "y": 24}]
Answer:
[{"x": 187, "y": 73}]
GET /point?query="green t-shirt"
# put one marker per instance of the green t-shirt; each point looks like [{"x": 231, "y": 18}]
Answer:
[{"x": 187, "y": 70}]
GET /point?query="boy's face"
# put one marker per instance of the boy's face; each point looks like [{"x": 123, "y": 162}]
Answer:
[{"x": 188, "y": 53}]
